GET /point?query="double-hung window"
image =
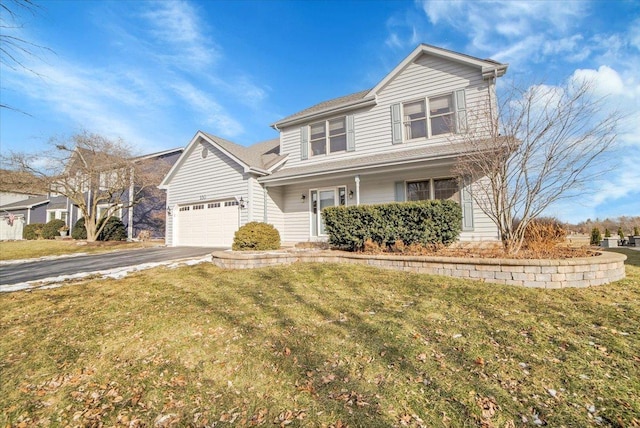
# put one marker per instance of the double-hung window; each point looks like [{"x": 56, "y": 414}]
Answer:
[
  {"x": 439, "y": 188},
  {"x": 328, "y": 136},
  {"x": 428, "y": 117}
]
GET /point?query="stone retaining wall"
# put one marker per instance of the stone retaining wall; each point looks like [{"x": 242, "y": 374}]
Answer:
[{"x": 577, "y": 272}]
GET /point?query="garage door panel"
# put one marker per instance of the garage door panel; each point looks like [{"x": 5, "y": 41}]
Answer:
[{"x": 210, "y": 224}]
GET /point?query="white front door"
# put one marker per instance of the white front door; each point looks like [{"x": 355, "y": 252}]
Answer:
[{"x": 321, "y": 199}]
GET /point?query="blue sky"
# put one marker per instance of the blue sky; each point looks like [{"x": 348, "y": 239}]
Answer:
[{"x": 153, "y": 73}]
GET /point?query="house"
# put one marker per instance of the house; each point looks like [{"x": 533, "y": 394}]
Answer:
[
  {"x": 148, "y": 214},
  {"x": 397, "y": 141}
]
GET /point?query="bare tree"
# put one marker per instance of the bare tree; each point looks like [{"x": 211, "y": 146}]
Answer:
[
  {"x": 13, "y": 48},
  {"x": 92, "y": 171},
  {"x": 544, "y": 144}
]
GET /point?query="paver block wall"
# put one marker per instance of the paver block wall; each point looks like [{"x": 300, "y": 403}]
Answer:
[{"x": 578, "y": 272}]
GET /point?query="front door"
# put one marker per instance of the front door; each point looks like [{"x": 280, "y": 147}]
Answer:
[{"x": 321, "y": 199}]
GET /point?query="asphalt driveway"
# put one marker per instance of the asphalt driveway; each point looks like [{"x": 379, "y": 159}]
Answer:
[{"x": 42, "y": 269}]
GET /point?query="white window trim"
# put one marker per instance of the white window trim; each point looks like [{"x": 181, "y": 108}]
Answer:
[
  {"x": 336, "y": 197},
  {"x": 115, "y": 213},
  {"x": 432, "y": 187},
  {"x": 57, "y": 214},
  {"x": 428, "y": 117},
  {"x": 327, "y": 137}
]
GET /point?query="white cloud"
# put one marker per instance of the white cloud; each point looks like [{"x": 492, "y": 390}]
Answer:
[{"x": 606, "y": 81}]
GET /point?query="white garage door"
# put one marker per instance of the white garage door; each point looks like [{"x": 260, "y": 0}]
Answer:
[{"x": 210, "y": 224}]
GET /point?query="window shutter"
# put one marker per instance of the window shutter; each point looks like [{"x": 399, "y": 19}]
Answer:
[
  {"x": 396, "y": 124},
  {"x": 461, "y": 111},
  {"x": 467, "y": 204},
  {"x": 304, "y": 142},
  {"x": 400, "y": 191},
  {"x": 351, "y": 136}
]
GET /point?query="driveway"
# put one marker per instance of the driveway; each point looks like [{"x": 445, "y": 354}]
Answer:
[{"x": 68, "y": 266}]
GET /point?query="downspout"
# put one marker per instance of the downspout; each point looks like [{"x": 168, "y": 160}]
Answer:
[
  {"x": 130, "y": 210},
  {"x": 357, "y": 190}
]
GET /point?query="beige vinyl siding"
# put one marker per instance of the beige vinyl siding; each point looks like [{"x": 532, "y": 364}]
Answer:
[
  {"x": 214, "y": 178},
  {"x": 427, "y": 76}
]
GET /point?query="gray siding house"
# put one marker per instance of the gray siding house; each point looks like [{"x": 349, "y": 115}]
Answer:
[
  {"x": 397, "y": 141},
  {"x": 148, "y": 215}
]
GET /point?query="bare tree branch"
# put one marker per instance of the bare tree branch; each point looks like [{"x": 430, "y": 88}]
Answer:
[{"x": 547, "y": 143}]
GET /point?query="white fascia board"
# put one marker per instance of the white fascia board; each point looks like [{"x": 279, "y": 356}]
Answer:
[{"x": 488, "y": 67}]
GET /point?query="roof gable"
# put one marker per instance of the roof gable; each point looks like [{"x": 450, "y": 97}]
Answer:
[{"x": 258, "y": 158}]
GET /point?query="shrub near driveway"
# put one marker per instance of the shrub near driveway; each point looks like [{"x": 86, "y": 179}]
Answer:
[{"x": 319, "y": 344}]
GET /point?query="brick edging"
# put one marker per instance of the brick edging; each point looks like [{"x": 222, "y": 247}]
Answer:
[{"x": 602, "y": 269}]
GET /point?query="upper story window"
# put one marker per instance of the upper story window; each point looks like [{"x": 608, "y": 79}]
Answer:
[
  {"x": 440, "y": 117},
  {"x": 329, "y": 136}
]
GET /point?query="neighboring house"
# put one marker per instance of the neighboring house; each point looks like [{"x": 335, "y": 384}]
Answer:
[
  {"x": 17, "y": 186},
  {"x": 148, "y": 215},
  {"x": 394, "y": 142}
]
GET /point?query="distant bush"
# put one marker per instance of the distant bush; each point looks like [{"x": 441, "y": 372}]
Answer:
[
  {"x": 79, "y": 231},
  {"x": 52, "y": 229},
  {"x": 425, "y": 223},
  {"x": 256, "y": 236},
  {"x": 596, "y": 236},
  {"x": 114, "y": 230},
  {"x": 620, "y": 233},
  {"x": 607, "y": 234},
  {"x": 32, "y": 231}
]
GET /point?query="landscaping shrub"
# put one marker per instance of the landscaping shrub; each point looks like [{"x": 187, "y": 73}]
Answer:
[
  {"x": 32, "y": 231},
  {"x": 52, "y": 229},
  {"x": 114, "y": 230},
  {"x": 79, "y": 231},
  {"x": 543, "y": 235},
  {"x": 256, "y": 236},
  {"x": 620, "y": 233},
  {"x": 596, "y": 236},
  {"x": 422, "y": 222}
]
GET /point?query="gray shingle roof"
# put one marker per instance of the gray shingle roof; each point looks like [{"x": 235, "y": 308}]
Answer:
[
  {"x": 370, "y": 161},
  {"x": 261, "y": 155},
  {"x": 25, "y": 203},
  {"x": 326, "y": 105}
]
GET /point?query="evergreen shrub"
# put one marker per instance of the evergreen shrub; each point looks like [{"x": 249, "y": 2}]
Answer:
[
  {"x": 32, "y": 231},
  {"x": 422, "y": 222},
  {"x": 79, "y": 231},
  {"x": 256, "y": 236},
  {"x": 596, "y": 236},
  {"x": 114, "y": 230},
  {"x": 52, "y": 229}
]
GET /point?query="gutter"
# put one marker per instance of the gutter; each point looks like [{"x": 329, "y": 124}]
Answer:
[{"x": 366, "y": 102}]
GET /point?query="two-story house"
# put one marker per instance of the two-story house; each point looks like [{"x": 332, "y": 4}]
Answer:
[
  {"x": 398, "y": 141},
  {"x": 148, "y": 213}
]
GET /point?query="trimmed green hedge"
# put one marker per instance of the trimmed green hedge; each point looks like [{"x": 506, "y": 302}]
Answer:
[
  {"x": 32, "y": 231},
  {"x": 52, "y": 229},
  {"x": 256, "y": 236},
  {"x": 421, "y": 222}
]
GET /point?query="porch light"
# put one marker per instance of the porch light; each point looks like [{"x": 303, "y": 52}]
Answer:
[
  {"x": 169, "y": 211},
  {"x": 242, "y": 203},
  {"x": 303, "y": 197},
  {"x": 350, "y": 194}
]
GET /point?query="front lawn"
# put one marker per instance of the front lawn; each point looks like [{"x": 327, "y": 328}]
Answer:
[
  {"x": 17, "y": 250},
  {"x": 319, "y": 345}
]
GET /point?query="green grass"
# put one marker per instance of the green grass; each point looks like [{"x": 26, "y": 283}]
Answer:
[
  {"x": 319, "y": 345},
  {"x": 16, "y": 250}
]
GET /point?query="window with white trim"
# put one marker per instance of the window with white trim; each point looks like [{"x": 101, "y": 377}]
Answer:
[
  {"x": 438, "y": 188},
  {"x": 428, "y": 117},
  {"x": 328, "y": 136},
  {"x": 114, "y": 211},
  {"x": 57, "y": 215}
]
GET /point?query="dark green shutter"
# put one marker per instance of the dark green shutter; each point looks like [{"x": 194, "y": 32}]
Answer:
[
  {"x": 396, "y": 124},
  {"x": 304, "y": 142}
]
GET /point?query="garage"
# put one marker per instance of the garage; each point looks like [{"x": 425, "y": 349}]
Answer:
[{"x": 206, "y": 224}]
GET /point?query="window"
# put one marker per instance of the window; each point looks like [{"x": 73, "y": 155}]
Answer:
[
  {"x": 113, "y": 211},
  {"x": 415, "y": 120},
  {"x": 231, "y": 203},
  {"x": 440, "y": 117},
  {"x": 441, "y": 188},
  {"x": 328, "y": 136},
  {"x": 57, "y": 214},
  {"x": 198, "y": 207},
  {"x": 214, "y": 205},
  {"x": 184, "y": 208},
  {"x": 321, "y": 199}
]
